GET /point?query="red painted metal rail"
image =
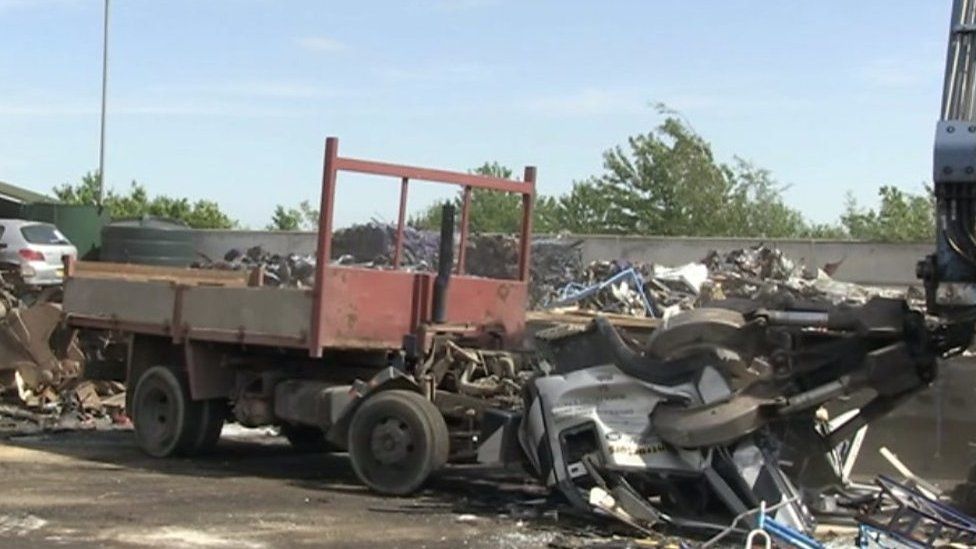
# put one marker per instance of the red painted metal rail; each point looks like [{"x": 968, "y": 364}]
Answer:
[{"x": 334, "y": 163}]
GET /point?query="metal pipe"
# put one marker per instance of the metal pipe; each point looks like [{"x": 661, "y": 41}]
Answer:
[
  {"x": 465, "y": 220},
  {"x": 797, "y": 318},
  {"x": 101, "y": 141},
  {"x": 445, "y": 261},
  {"x": 401, "y": 220},
  {"x": 816, "y": 396}
]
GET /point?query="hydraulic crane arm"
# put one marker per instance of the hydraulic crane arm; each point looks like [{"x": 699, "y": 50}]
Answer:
[
  {"x": 950, "y": 273},
  {"x": 959, "y": 89}
]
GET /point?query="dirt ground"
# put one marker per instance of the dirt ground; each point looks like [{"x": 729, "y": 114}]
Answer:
[{"x": 95, "y": 489}]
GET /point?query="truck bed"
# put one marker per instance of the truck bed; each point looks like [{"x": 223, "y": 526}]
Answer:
[{"x": 363, "y": 308}]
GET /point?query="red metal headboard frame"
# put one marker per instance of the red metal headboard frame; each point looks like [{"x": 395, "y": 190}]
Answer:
[{"x": 334, "y": 163}]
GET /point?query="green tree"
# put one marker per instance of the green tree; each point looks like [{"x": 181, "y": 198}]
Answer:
[
  {"x": 668, "y": 182},
  {"x": 302, "y": 218},
  {"x": 490, "y": 211},
  {"x": 202, "y": 214},
  {"x": 665, "y": 182},
  {"x": 545, "y": 215},
  {"x": 585, "y": 209},
  {"x": 756, "y": 206},
  {"x": 285, "y": 219},
  {"x": 901, "y": 217}
]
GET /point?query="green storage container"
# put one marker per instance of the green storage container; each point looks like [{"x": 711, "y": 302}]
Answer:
[{"x": 82, "y": 224}]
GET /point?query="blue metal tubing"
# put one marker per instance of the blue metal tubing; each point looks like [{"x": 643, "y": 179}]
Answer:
[{"x": 582, "y": 292}]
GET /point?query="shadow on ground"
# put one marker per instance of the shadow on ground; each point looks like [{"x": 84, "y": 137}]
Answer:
[{"x": 459, "y": 489}]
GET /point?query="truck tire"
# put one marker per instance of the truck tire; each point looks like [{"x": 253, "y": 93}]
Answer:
[
  {"x": 305, "y": 438},
  {"x": 397, "y": 439},
  {"x": 163, "y": 416},
  {"x": 207, "y": 426}
]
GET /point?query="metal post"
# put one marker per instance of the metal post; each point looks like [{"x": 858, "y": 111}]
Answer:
[
  {"x": 526, "y": 239},
  {"x": 401, "y": 220},
  {"x": 323, "y": 250},
  {"x": 101, "y": 142},
  {"x": 445, "y": 259},
  {"x": 465, "y": 220}
]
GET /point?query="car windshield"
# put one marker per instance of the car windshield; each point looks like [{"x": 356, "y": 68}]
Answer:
[{"x": 43, "y": 234}]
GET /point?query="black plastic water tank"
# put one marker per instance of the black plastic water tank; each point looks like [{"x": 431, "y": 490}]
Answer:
[{"x": 148, "y": 241}]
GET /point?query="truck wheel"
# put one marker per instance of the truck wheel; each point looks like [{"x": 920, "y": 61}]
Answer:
[
  {"x": 207, "y": 426},
  {"x": 304, "y": 438},
  {"x": 396, "y": 440},
  {"x": 163, "y": 414}
]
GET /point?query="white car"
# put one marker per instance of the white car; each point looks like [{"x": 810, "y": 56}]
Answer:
[{"x": 35, "y": 251}]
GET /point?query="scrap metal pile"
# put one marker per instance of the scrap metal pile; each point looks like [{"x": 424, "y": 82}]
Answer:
[
  {"x": 559, "y": 278},
  {"x": 760, "y": 273},
  {"x": 554, "y": 260},
  {"x": 291, "y": 270},
  {"x": 75, "y": 404},
  {"x": 716, "y": 422},
  {"x": 368, "y": 245},
  {"x": 40, "y": 387}
]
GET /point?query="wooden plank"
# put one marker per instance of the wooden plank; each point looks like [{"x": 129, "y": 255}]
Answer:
[{"x": 154, "y": 273}]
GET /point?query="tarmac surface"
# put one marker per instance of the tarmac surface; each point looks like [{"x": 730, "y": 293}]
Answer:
[{"x": 96, "y": 489}]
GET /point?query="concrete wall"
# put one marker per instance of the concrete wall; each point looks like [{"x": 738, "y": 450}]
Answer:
[
  {"x": 863, "y": 262},
  {"x": 215, "y": 243}
]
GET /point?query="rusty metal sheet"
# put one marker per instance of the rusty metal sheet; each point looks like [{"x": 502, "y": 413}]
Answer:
[
  {"x": 267, "y": 311},
  {"x": 370, "y": 308},
  {"x": 487, "y": 301},
  {"x": 25, "y": 347},
  {"x": 138, "y": 302}
]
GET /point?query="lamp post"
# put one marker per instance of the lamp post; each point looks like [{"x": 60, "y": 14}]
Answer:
[{"x": 101, "y": 143}]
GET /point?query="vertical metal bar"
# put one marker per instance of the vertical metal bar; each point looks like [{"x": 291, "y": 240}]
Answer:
[
  {"x": 952, "y": 53},
  {"x": 101, "y": 140},
  {"x": 324, "y": 245},
  {"x": 401, "y": 220},
  {"x": 937, "y": 403},
  {"x": 463, "y": 245},
  {"x": 445, "y": 261},
  {"x": 525, "y": 243},
  {"x": 69, "y": 266}
]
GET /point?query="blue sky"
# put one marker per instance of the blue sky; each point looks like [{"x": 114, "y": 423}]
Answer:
[{"x": 231, "y": 99}]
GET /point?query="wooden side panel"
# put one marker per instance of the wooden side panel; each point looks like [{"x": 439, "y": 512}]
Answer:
[
  {"x": 121, "y": 300},
  {"x": 281, "y": 312}
]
